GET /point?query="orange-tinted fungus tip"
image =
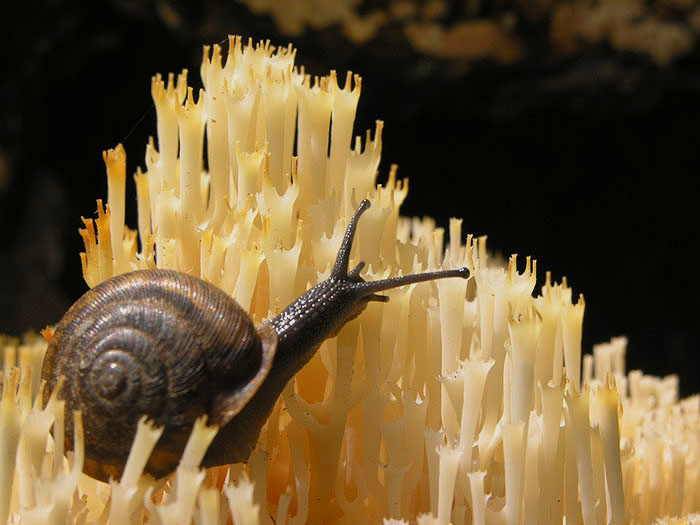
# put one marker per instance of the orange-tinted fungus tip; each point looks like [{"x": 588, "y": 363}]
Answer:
[{"x": 48, "y": 333}]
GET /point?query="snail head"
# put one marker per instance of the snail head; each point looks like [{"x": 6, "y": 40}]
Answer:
[{"x": 323, "y": 310}]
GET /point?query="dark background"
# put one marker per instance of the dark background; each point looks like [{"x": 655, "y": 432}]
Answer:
[{"x": 587, "y": 161}]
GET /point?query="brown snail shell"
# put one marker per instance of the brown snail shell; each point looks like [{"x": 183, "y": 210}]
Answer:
[{"x": 155, "y": 342}]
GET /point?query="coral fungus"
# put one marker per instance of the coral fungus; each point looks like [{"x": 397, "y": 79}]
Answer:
[{"x": 462, "y": 402}]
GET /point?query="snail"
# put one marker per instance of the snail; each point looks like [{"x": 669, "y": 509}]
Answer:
[{"x": 173, "y": 347}]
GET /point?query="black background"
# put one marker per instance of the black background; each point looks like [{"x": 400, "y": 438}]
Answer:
[{"x": 587, "y": 162}]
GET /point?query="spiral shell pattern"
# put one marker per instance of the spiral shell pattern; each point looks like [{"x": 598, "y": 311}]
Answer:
[{"x": 154, "y": 342}]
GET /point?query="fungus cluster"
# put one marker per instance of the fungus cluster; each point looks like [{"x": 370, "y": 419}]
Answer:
[{"x": 455, "y": 402}]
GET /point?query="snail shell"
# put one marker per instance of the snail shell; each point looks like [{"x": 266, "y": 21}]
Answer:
[{"x": 160, "y": 343}]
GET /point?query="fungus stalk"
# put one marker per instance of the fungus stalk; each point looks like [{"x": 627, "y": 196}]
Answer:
[{"x": 454, "y": 402}]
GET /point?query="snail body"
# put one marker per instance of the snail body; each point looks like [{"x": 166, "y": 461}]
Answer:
[{"x": 171, "y": 346}]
